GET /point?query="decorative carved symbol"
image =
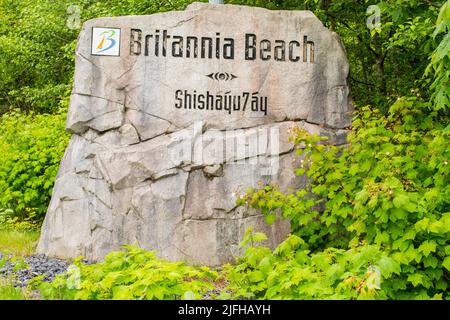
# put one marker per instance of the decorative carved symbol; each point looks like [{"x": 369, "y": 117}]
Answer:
[{"x": 222, "y": 76}]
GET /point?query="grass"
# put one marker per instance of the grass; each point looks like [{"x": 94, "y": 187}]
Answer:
[
  {"x": 9, "y": 292},
  {"x": 18, "y": 243}
]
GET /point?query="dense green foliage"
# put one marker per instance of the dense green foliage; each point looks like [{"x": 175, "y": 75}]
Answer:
[
  {"x": 31, "y": 146},
  {"x": 133, "y": 274},
  {"x": 293, "y": 272}
]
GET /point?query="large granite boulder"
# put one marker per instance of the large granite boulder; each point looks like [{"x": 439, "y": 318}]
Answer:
[{"x": 174, "y": 115}]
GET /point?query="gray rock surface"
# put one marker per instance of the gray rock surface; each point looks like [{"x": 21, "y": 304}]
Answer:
[{"x": 140, "y": 170}]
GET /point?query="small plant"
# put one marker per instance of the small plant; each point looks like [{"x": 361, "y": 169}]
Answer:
[
  {"x": 9, "y": 221},
  {"x": 31, "y": 147}
]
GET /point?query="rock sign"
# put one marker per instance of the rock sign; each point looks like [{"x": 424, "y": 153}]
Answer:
[{"x": 174, "y": 115}]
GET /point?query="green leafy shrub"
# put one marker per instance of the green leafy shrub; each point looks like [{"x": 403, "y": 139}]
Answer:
[
  {"x": 389, "y": 187},
  {"x": 292, "y": 272},
  {"x": 31, "y": 147},
  {"x": 17, "y": 241},
  {"x": 132, "y": 274}
]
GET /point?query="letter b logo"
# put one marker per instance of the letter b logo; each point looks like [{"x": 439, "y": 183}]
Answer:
[{"x": 105, "y": 42}]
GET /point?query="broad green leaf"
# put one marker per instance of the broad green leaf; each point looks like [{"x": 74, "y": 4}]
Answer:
[
  {"x": 416, "y": 279},
  {"x": 427, "y": 247},
  {"x": 446, "y": 263},
  {"x": 388, "y": 266}
]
